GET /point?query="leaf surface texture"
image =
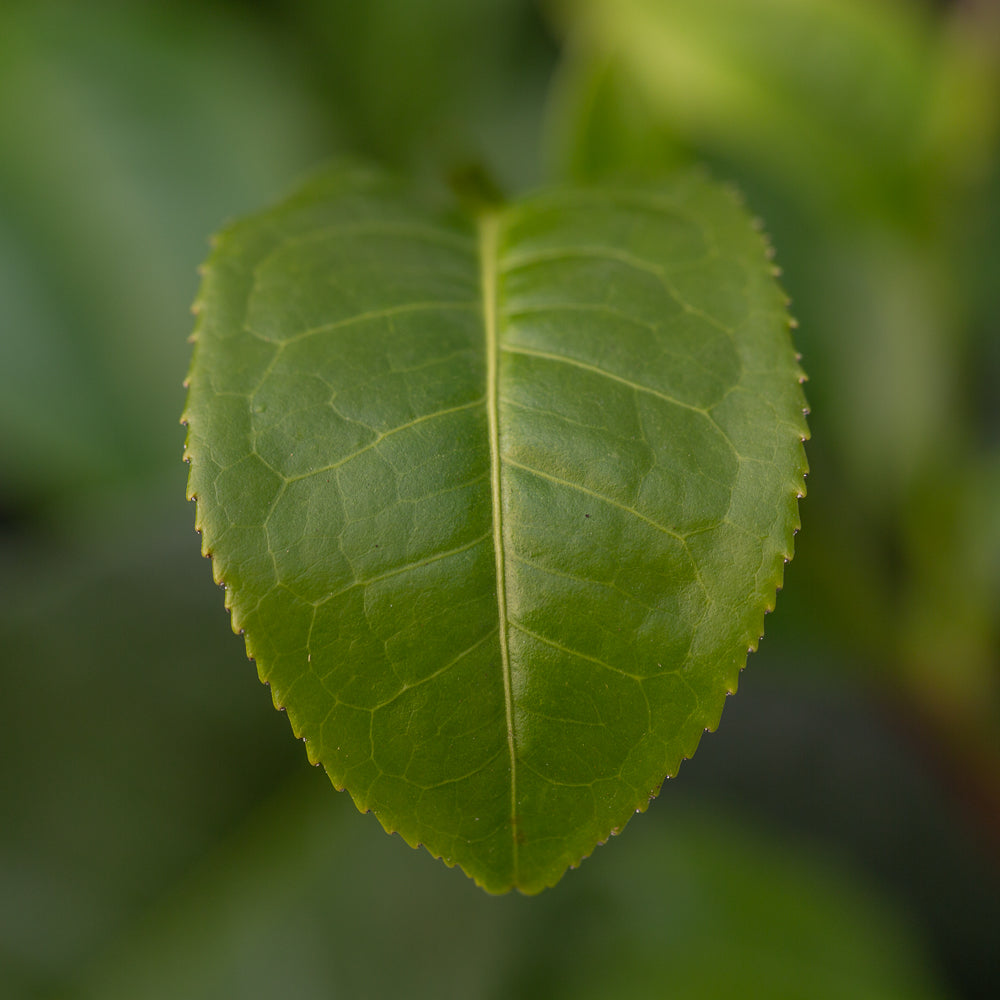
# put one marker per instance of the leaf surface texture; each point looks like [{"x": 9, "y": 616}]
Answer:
[{"x": 499, "y": 501}]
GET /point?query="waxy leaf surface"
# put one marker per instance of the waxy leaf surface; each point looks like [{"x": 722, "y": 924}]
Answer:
[{"x": 499, "y": 498}]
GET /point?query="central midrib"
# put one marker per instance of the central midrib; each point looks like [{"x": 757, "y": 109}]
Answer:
[{"x": 489, "y": 225}]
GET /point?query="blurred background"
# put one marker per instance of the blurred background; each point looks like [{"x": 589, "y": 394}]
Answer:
[{"x": 161, "y": 834}]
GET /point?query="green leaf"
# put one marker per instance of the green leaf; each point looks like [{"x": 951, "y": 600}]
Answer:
[
  {"x": 831, "y": 99},
  {"x": 499, "y": 501}
]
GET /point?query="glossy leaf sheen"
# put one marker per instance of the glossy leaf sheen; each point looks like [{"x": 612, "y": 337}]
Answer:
[{"x": 499, "y": 501}]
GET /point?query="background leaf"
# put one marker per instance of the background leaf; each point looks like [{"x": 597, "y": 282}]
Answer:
[{"x": 834, "y": 97}]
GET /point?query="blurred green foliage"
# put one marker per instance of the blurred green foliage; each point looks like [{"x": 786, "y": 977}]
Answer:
[{"x": 840, "y": 835}]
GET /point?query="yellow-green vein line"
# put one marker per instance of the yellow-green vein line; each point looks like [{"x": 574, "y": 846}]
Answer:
[
  {"x": 564, "y": 359},
  {"x": 488, "y": 236}
]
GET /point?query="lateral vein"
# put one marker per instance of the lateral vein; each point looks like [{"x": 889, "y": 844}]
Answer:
[{"x": 488, "y": 236}]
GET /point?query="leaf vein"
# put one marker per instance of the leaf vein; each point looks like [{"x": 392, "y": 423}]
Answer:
[
  {"x": 419, "y": 564},
  {"x": 586, "y": 366},
  {"x": 372, "y": 314},
  {"x": 574, "y": 652},
  {"x": 563, "y": 575},
  {"x": 436, "y": 673},
  {"x": 489, "y": 227},
  {"x": 385, "y": 434},
  {"x": 622, "y": 257},
  {"x": 597, "y": 496}
]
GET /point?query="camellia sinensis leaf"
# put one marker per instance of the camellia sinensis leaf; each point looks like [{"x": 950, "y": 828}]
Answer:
[{"x": 499, "y": 497}]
